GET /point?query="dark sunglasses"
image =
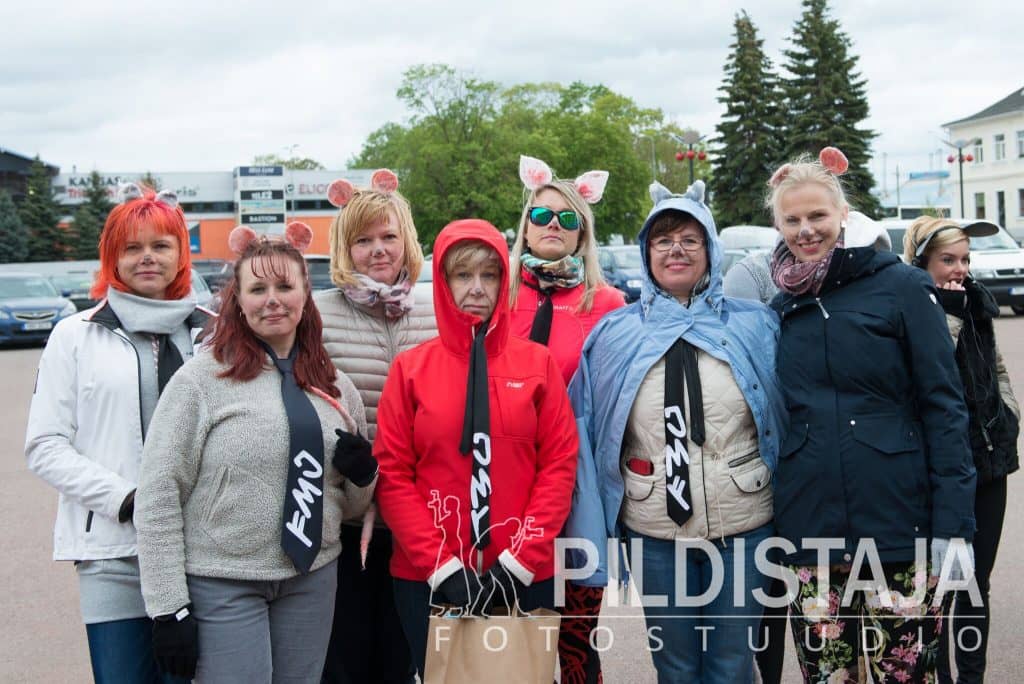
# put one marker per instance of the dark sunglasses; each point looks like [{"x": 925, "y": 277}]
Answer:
[{"x": 568, "y": 219}]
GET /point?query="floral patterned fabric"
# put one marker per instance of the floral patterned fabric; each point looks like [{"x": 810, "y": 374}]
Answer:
[{"x": 902, "y": 640}]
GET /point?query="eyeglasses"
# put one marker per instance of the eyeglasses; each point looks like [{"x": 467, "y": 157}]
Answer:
[
  {"x": 568, "y": 219},
  {"x": 687, "y": 244}
]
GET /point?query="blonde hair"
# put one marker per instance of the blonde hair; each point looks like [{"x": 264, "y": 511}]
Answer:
[
  {"x": 469, "y": 254},
  {"x": 924, "y": 226},
  {"x": 586, "y": 247},
  {"x": 367, "y": 208},
  {"x": 801, "y": 171}
]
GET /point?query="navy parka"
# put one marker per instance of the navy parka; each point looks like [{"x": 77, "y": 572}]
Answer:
[{"x": 877, "y": 445}]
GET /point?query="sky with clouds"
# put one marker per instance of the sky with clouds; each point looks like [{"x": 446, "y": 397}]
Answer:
[{"x": 205, "y": 86}]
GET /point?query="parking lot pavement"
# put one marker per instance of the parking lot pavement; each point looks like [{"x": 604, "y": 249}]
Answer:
[{"x": 42, "y": 639}]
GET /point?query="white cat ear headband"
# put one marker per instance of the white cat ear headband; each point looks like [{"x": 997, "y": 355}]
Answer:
[
  {"x": 298, "y": 234},
  {"x": 535, "y": 174},
  {"x": 127, "y": 192},
  {"x": 341, "y": 191}
]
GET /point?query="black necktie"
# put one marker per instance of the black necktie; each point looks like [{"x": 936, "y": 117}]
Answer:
[
  {"x": 304, "y": 496},
  {"x": 540, "y": 331},
  {"x": 680, "y": 363},
  {"x": 168, "y": 361},
  {"x": 476, "y": 440}
]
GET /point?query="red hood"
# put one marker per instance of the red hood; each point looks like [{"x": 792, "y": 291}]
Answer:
[{"x": 455, "y": 326}]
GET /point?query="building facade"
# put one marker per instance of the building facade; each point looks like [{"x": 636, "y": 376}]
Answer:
[
  {"x": 993, "y": 182},
  {"x": 211, "y": 201}
]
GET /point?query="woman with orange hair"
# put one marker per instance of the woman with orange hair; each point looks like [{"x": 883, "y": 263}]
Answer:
[{"x": 99, "y": 379}]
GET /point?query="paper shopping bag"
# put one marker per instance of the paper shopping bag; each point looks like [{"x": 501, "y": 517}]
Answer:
[{"x": 521, "y": 648}]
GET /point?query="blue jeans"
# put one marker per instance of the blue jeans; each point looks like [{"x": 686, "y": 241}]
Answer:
[
  {"x": 709, "y": 643},
  {"x": 122, "y": 651}
]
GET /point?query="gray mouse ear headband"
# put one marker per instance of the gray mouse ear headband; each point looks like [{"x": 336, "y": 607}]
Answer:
[{"x": 126, "y": 192}]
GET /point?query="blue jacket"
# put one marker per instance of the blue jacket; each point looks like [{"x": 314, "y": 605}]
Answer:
[
  {"x": 624, "y": 346},
  {"x": 877, "y": 442}
]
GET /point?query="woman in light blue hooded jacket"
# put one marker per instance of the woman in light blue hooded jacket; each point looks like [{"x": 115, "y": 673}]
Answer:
[{"x": 679, "y": 414}]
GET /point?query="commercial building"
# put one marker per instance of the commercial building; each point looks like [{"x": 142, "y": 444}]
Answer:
[
  {"x": 215, "y": 202},
  {"x": 994, "y": 178}
]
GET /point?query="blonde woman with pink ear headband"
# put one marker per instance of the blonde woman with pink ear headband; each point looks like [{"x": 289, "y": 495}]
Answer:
[{"x": 557, "y": 295}]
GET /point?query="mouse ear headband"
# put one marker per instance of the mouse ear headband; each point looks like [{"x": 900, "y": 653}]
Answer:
[
  {"x": 536, "y": 174},
  {"x": 126, "y": 192},
  {"x": 298, "y": 234},
  {"x": 341, "y": 191},
  {"x": 832, "y": 158}
]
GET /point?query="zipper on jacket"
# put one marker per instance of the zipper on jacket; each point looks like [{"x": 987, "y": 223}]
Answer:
[
  {"x": 988, "y": 440},
  {"x": 88, "y": 522},
  {"x": 822, "y": 307},
  {"x": 138, "y": 377}
]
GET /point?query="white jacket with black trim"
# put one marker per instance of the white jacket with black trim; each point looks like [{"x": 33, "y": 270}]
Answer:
[{"x": 84, "y": 433}]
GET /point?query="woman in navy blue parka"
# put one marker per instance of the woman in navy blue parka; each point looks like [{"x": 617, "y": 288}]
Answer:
[{"x": 876, "y": 450}]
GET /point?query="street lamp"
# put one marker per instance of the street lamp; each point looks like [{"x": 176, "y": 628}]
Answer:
[
  {"x": 689, "y": 138},
  {"x": 960, "y": 158}
]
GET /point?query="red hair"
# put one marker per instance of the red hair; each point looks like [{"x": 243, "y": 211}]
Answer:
[
  {"x": 123, "y": 223},
  {"x": 234, "y": 342}
]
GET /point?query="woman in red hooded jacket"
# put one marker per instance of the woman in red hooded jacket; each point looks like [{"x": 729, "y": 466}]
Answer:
[
  {"x": 477, "y": 446},
  {"x": 557, "y": 296}
]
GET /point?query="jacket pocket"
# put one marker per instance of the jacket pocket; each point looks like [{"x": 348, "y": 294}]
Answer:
[
  {"x": 236, "y": 516},
  {"x": 638, "y": 487},
  {"x": 887, "y": 434},
  {"x": 796, "y": 437},
  {"x": 750, "y": 480},
  {"x": 516, "y": 414}
]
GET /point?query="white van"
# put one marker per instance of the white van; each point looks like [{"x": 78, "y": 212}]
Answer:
[
  {"x": 748, "y": 238},
  {"x": 997, "y": 262}
]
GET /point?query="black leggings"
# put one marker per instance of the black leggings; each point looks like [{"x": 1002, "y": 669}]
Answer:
[{"x": 989, "y": 509}]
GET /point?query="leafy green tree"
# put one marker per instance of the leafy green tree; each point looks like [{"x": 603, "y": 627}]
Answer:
[
  {"x": 826, "y": 99},
  {"x": 748, "y": 145},
  {"x": 89, "y": 219},
  {"x": 40, "y": 215},
  {"x": 297, "y": 163},
  {"x": 13, "y": 237},
  {"x": 149, "y": 180}
]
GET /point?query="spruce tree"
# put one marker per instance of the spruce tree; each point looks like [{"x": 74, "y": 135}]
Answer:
[
  {"x": 747, "y": 145},
  {"x": 40, "y": 214},
  {"x": 90, "y": 217},
  {"x": 825, "y": 99},
  {"x": 13, "y": 237}
]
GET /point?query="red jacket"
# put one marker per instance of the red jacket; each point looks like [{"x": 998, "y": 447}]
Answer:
[
  {"x": 569, "y": 326},
  {"x": 424, "y": 486}
]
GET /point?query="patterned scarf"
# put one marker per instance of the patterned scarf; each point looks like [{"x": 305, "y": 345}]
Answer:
[
  {"x": 566, "y": 272},
  {"x": 397, "y": 298},
  {"x": 800, "y": 277}
]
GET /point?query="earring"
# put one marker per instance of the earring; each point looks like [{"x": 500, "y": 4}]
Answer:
[{"x": 842, "y": 225}]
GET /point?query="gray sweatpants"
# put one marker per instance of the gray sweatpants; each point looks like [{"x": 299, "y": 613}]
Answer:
[{"x": 256, "y": 632}]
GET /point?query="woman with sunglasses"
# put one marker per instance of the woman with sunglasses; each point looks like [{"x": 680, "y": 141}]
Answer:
[
  {"x": 680, "y": 416},
  {"x": 942, "y": 248},
  {"x": 557, "y": 295}
]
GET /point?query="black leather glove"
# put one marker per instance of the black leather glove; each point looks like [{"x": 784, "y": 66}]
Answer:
[
  {"x": 460, "y": 589},
  {"x": 176, "y": 643},
  {"x": 353, "y": 457},
  {"x": 127, "y": 510},
  {"x": 500, "y": 588}
]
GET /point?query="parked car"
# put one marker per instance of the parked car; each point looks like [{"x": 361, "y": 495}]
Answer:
[
  {"x": 75, "y": 285},
  {"x": 621, "y": 266},
  {"x": 997, "y": 261},
  {"x": 204, "y": 296},
  {"x": 216, "y": 272},
  {"x": 319, "y": 266},
  {"x": 748, "y": 238},
  {"x": 731, "y": 256},
  {"x": 423, "y": 290},
  {"x": 29, "y": 307}
]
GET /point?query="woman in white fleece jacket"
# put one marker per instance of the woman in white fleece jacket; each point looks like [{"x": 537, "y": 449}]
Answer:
[{"x": 253, "y": 459}]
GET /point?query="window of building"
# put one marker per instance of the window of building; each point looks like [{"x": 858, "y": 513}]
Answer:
[
  {"x": 979, "y": 151},
  {"x": 1020, "y": 144},
  {"x": 1001, "y": 207},
  {"x": 1000, "y": 146},
  {"x": 979, "y": 205},
  {"x": 1020, "y": 202}
]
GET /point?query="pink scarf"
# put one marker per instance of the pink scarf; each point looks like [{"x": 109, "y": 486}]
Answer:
[
  {"x": 800, "y": 277},
  {"x": 397, "y": 298}
]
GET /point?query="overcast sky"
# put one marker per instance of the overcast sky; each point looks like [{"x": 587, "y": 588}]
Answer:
[{"x": 204, "y": 86}]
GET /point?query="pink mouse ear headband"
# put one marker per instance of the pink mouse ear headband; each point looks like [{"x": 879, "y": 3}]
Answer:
[
  {"x": 298, "y": 234},
  {"x": 341, "y": 191},
  {"x": 831, "y": 158},
  {"x": 536, "y": 174}
]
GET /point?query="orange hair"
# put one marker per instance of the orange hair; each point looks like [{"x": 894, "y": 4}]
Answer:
[{"x": 123, "y": 224}]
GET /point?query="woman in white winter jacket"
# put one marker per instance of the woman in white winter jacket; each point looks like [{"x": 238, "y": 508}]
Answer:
[{"x": 99, "y": 380}]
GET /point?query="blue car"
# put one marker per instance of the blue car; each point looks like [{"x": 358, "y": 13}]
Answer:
[
  {"x": 621, "y": 265},
  {"x": 29, "y": 307}
]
